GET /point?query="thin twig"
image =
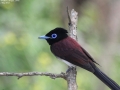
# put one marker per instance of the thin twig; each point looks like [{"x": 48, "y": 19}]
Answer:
[
  {"x": 19, "y": 75},
  {"x": 68, "y": 13}
]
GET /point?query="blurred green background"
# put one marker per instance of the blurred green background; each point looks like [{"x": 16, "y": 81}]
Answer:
[{"x": 22, "y": 21}]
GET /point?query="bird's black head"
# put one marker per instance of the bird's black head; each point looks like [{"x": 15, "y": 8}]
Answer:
[{"x": 55, "y": 35}]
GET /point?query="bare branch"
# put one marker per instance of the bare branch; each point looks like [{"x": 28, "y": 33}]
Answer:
[
  {"x": 71, "y": 75},
  {"x": 73, "y": 24},
  {"x": 19, "y": 75}
]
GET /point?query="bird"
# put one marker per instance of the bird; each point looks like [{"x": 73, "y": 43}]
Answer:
[{"x": 73, "y": 54}]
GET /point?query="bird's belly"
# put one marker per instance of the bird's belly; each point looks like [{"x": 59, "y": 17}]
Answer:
[{"x": 68, "y": 63}]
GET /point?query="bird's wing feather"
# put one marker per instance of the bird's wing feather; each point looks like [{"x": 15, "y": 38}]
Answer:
[{"x": 88, "y": 55}]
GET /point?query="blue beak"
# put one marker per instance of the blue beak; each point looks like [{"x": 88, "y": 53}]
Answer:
[{"x": 43, "y": 37}]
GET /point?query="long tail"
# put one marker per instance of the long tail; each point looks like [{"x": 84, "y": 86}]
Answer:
[{"x": 106, "y": 80}]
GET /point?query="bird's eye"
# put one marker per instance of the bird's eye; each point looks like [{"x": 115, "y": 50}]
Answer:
[{"x": 54, "y": 36}]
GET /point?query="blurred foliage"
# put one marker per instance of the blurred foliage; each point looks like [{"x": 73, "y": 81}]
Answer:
[{"x": 21, "y": 22}]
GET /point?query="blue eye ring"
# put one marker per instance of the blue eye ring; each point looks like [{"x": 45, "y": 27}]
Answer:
[{"x": 54, "y": 35}]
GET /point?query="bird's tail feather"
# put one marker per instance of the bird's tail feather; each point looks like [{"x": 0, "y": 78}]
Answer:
[{"x": 105, "y": 79}]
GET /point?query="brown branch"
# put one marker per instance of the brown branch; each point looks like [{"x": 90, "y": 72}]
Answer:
[
  {"x": 73, "y": 24},
  {"x": 71, "y": 74},
  {"x": 19, "y": 75}
]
